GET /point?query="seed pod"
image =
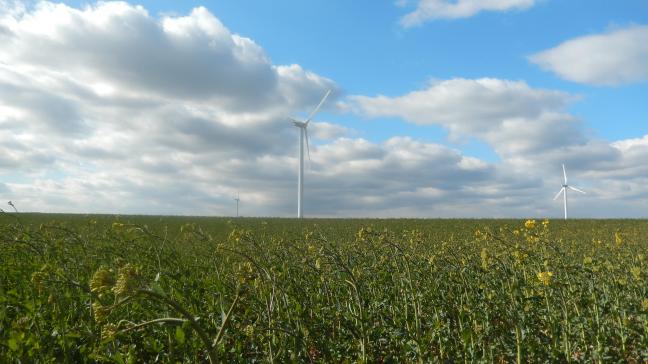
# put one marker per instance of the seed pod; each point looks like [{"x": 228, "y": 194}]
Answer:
[{"x": 108, "y": 331}]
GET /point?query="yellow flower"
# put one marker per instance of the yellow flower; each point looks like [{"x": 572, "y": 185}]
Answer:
[
  {"x": 249, "y": 331},
  {"x": 636, "y": 272},
  {"x": 587, "y": 260},
  {"x": 618, "y": 239},
  {"x": 644, "y": 304},
  {"x": 545, "y": 277},
  {"x": 530, "y": 224},
  {"x": 484, "y": 258},
  {"x": 622, "y": 281},
  {"x": 519, "y": 257}
]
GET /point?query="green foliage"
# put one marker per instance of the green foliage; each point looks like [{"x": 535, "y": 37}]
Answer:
[{"x": 162, "y": 289}]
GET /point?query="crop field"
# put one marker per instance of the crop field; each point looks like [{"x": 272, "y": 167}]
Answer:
[{"x": 98, "y": 288}]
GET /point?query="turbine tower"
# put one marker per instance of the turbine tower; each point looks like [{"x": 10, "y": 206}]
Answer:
[
  {"x": 564, "y": 189},
  {"x": 303, "y": 134},
  {"x": 237, "y": 199}
]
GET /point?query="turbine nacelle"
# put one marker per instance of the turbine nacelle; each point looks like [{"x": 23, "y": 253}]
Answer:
[{"x": 299, "y": 124}]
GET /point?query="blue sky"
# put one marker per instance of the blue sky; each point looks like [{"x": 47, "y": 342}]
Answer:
[{"x": 497, "y": 98}]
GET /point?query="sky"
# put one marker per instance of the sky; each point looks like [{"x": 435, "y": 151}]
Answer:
[{"x": 439, "y": 108}]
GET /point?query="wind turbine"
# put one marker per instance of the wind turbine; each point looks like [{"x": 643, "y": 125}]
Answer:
[
  {"x": 237, "y": 199},
  {"x": 303, "y": 134},
  {"x": 564, "y": 189}
]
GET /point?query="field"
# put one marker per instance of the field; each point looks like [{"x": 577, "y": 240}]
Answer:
[{"x": 95, "y": 288}]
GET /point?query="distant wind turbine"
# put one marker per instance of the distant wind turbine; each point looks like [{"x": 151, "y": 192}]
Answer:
[
  {"x": 564, "y": 189},
  {"x": 237, "y": 199},
  {"x": 303, "y": 134}
]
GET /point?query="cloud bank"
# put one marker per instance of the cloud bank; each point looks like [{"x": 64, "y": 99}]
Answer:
[
  {"x": 110, "y": 109},
  {"x": 533, "y": 133}
]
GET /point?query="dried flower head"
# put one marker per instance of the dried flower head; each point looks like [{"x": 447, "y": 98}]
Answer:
[
  {"x": 108, "y": 331},
  {"x": 100, "y": 312},
  {"x": 127, "y": 280},
  {"x": 38, "y": 278},
  {"x": 102, "y": 280}
]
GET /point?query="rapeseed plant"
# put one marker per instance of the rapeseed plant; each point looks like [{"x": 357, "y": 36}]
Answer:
[
  {"x": 530, "y": 224},
  {"x": 545, "y": 277}
]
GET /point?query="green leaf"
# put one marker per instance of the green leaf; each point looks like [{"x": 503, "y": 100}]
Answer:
[
  {"x": 13, "y": 344},
  {"x": 465, "y": 334},
  {"x": 180, "y": 335},
  {"x": 157, "y": 288},
  {"x": 119, "y": 358}
]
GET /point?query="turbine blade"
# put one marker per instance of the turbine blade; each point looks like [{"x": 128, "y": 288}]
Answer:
[
  {"x": 576, "y": 189},
  {"x": 559, "y": 192},
  {"x": 564, "y": 173},
  {"x": 318, "y": 107}
]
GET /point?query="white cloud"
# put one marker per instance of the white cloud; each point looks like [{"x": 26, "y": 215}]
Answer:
[
  {"x": 447, "y": 9},
  {"x": 327, "y": 131},
  {"x": 613, "y": 58},
  {"x": 119, "y": 46},
  {"x": 513, "y": 117}
]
